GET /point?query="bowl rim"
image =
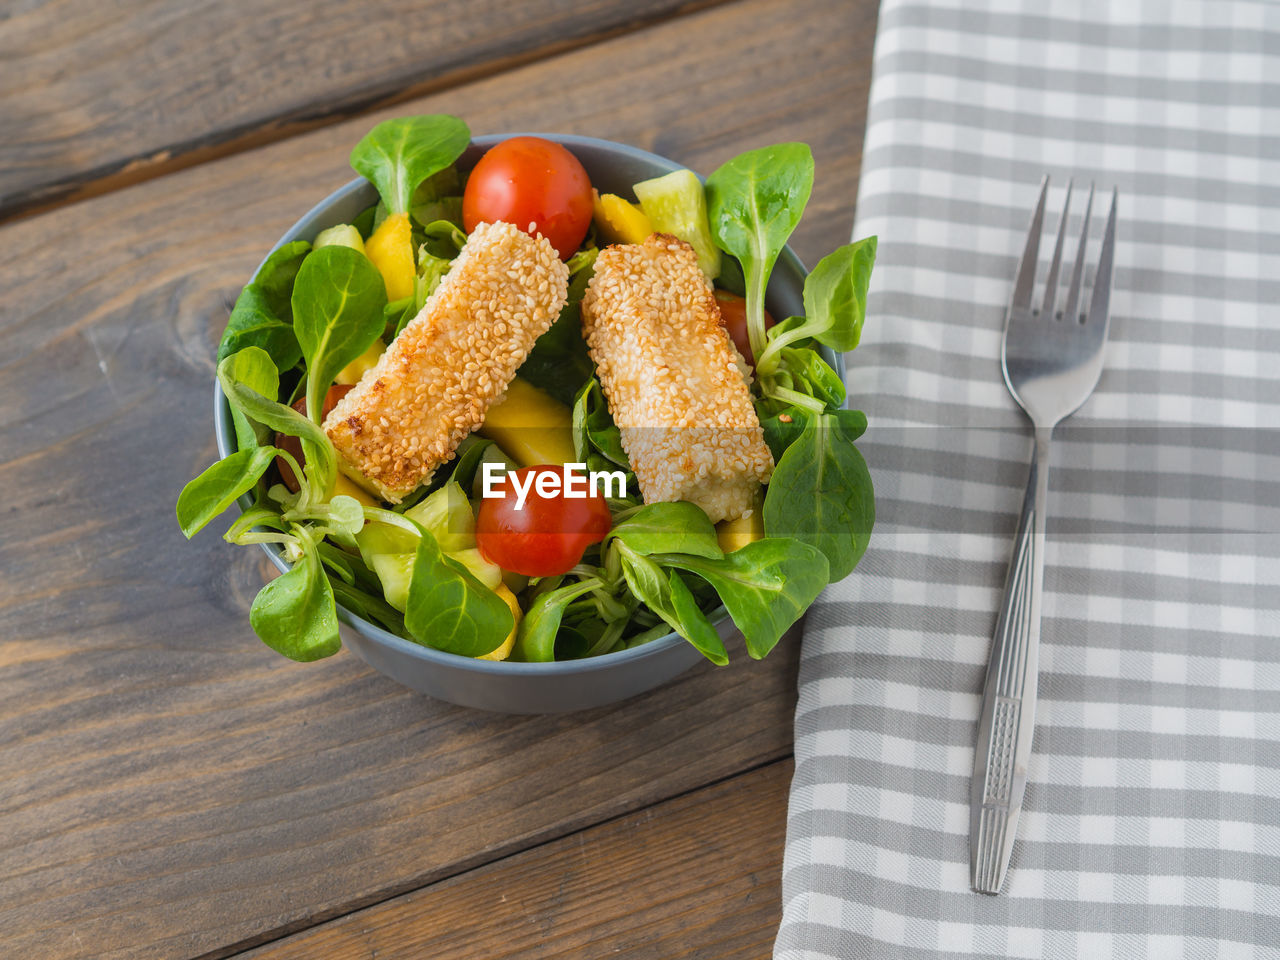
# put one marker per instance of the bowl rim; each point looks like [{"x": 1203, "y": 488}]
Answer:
[{"x": 224, "y": 436}]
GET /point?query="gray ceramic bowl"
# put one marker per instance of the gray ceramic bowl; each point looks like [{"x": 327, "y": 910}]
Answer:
[{"x": 505, "y": 686}]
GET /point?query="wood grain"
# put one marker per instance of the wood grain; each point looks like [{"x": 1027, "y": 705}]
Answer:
[
  {"x": 170, "y": 788},
  {"x": 697, "y": 876},
  {"x": 96, "y": 95}
]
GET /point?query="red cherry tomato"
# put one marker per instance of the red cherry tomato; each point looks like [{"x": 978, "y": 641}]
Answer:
[
  {"x": 293, "y": 445},
  {"x": 528, "y": 180},
  {"x": 548, "y": 534},
  {"x": 733, "y": 313}
]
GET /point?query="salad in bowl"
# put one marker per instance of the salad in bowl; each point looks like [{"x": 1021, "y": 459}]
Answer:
[{"x": 503, "y": 415}]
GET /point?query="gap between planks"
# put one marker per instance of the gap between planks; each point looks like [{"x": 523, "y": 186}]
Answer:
[
  {"x": 656, "y": 856},
  {"x": 237, "y": 138}
]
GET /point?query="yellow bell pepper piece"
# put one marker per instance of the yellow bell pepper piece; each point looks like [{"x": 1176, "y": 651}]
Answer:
[
  {"x": 345, "y": 486},
  {"x": 515, "y": 582},
  {"x": 620, "y": 221},
  {"x": 531, "y": 426},
  {"x": 504, "y": 650},
  {"x": 391, "y": 250},
  {"x": 736, "y": 534},
  {"x": 357, "y": 368},
  {"x": 488, "y": 573},
  {"x": 351, "y": 478}
]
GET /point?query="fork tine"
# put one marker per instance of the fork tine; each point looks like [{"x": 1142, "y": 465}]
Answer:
[
  {"x": 1077, "y": 272},
  {"x": 1051, "y": 284},
  {"x": 1026, "y": 278},
  {"x": 1100, "y": 304}
]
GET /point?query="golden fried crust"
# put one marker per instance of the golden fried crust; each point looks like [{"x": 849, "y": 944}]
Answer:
[
  {"x": 673, "y": 380},
  {"x": 437, "y": 379}
]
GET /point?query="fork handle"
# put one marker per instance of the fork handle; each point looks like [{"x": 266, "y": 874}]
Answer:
[{"x": 1007, "y": 720}]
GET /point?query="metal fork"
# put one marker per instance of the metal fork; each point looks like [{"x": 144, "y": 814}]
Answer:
[{"x": 1051, "y": 362}]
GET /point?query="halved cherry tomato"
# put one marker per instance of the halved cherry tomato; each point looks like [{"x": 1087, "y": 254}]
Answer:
[
  {"x": 733, "y": 313},
  {"x": 528, "y": 180},
  {"x": 548, "y": 535},
  {"x": 293, "y": 445}
]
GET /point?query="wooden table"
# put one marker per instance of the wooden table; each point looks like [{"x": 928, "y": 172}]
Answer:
[{"x": 168, "y": 786}]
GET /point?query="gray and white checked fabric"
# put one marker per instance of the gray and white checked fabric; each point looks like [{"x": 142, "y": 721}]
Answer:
[{"x": 1151, "y": 827}]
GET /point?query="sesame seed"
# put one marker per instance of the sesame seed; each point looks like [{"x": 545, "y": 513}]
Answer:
[
  {"x": 434, "y": 383},
  {"x": 672, "y": 378}
]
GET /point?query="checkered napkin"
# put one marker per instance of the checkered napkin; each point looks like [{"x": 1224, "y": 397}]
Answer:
[{"x": 1151, "y": 825}]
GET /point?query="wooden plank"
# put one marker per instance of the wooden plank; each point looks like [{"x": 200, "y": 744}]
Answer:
[
  {"x": 98, "y": 95},
  {"x": 699, "y": 875},
  {"x": 168, "y": 787}
]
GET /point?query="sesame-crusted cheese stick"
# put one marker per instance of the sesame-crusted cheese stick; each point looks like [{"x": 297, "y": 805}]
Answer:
[
  {"x": 673, "y": 379},
  {"x": 437, "y": 379}
]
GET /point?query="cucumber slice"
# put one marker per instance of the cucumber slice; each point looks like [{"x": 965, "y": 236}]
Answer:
[
  {"x": 394, "y": 570},
  {"x": 676, "y": 204},
  {"x": 342, "y": 235},
  {"x": 447, "y": 516}
]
